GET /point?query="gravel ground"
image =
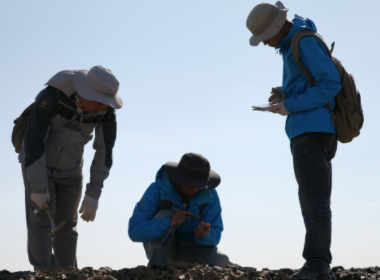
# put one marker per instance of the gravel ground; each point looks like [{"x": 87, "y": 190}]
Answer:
[{"x": 182, "y": 272}]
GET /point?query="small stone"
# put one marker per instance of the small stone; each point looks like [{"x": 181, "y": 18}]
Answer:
[
  {"x": 265, "y": 275},
  {"x": 287, "y": 271},
  {"x": 371, "y": 270},
  {"x": 218, "y": 268},
  {"x": 345, "y": 276},
  {"x": 336, "y": 269},
  {"x": 283, "y": 275}
]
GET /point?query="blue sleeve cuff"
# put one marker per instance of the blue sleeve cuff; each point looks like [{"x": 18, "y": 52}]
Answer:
[
  {"x": 165, "y": 224},
  {"x": 288, "y": 104},
  {"x": 202, "y": 240}
]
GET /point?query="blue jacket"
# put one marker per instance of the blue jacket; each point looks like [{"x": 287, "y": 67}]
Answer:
[
  {"x": 303, "y": 101},
  {"x": 143, "y": 229}
]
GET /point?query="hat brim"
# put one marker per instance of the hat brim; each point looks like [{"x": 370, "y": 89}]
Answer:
[
  {"x": 272, "y": 30},
  {"x": 81, "y": 87},
  {"x": 171, "y": 169}
]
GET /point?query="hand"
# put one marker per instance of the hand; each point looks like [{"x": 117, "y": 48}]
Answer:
[
  {"x": 178, "y": 217},
  {"x": 277, "y": 96},
  {"x": 279, "y": 109},
  {"x": 40, "y": 199},
  {"x": 202, "y": 229},
  {"x": 88, "y": 208}
]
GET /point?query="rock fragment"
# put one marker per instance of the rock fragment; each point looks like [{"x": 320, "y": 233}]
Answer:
[{"x": 181, "y": 271}]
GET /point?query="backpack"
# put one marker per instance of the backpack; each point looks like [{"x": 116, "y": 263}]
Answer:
[
  {"x": 20, "y": 123},
  {"x": 347, "y": 115},
  {"x": 167, "y": 205}
]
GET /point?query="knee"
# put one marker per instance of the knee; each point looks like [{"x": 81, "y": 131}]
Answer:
[
  {"x": 222, "y": 260},
  {"x": 163, "y": 214},
  {"x": 316, "y": 207}
]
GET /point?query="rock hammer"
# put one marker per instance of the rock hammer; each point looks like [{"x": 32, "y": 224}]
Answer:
[
  {"x": 171, "y": 231},
  {"x": 54, "y": 228}
]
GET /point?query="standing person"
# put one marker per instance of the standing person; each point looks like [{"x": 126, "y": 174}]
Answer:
[
  {"x": 62, "y": 121},
  {"x": 181, "y": 190},
  {"x": 308, "y": 124}
]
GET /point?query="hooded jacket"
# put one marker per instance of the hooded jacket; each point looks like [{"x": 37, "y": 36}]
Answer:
[
  {"x": 304, "y": 101},
  {"x": 55, "y": 137},
  {"x": 143, "y": 229}
]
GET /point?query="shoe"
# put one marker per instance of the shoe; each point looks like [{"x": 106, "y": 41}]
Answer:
[
  {"x": 309, "y": 274},
  {"x": 326, "y": 276},
  {"x": 305, "y": 274}
]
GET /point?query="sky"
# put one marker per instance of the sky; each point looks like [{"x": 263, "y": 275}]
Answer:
[{"x": 188, "y": 78}]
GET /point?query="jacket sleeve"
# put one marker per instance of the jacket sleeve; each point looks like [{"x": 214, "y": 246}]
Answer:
[
  {"x": 212, "y": 214},
  {"x": 327, "y": 81},
  {"x": 141, "y": 226},
  {"x": 105, "y": 137},
  {"x": 36, "y": 132}
]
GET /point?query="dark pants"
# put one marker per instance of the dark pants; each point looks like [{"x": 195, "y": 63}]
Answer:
[
  {"x": 176, "y": 250},
  {"x": 65, "y": 194},
  {"x": 312, "y": 155}
]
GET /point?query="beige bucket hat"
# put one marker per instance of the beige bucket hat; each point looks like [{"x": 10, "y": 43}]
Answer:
[
  {"x": 98, "y": 84},
  {"x": 265, "y": 21}
]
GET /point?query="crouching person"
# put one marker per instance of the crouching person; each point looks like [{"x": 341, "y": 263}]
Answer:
[{"x": 164, "y": 218}]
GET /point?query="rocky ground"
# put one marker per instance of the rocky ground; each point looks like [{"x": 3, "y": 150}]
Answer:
[{"x": 183, "y": 272}]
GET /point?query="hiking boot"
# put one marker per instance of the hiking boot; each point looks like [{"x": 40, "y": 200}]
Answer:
[
  {"x": 305, "y": 274},
  {"x": 309, "y": 274}
]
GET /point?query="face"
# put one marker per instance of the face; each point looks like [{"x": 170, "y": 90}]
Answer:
[
  {"x": 186, "y": 190},
  {"x": 275, "y": 41},
  {"x": 91, "y": 106}
]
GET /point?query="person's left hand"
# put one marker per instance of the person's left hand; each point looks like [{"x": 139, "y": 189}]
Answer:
[
  {"x": 88, "y": 208},
  {"x": 279, "y": 109},
  {"x": 202, "y": 229}
]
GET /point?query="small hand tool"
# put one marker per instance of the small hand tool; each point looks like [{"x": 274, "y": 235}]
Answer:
[
  {"x": 54, "y": 228},
  {"x": 171, "y": 231}
]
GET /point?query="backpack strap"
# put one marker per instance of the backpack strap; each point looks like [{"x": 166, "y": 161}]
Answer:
[
  {"x": 297, "y": 60},
  {"x": 58, "y": 93},
  {"x": 165, "y": 205}
]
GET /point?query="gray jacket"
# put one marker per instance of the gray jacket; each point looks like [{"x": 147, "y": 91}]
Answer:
[{"x": 54, "y": 141}]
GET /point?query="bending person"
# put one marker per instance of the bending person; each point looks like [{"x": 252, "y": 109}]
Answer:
[
  {"x": 73, "y": 105},
  {"x": 181, "y": 190}
]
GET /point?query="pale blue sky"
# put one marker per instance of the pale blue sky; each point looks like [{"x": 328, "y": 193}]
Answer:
[{"x": 188, "y": 78}]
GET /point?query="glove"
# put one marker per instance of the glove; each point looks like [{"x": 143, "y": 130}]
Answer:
[
  {"x": 40, "y": 199},
  {"x": 88, "y": 208}
]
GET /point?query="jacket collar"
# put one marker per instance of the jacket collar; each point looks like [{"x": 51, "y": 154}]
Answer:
[
  {"x": 168, "y": 191},
  {"x": 300, "y": 23}
]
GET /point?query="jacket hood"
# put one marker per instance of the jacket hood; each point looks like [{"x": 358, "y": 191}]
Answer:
[
  {"x": 300, "y": 23},
  {"x": 168, "y": 191}
]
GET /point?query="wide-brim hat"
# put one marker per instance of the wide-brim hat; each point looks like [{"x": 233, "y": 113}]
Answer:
[
  {"x": 265, "y": 21},
  {"x": 98, "y": 84},
  {"x": 194, "y": 170}
]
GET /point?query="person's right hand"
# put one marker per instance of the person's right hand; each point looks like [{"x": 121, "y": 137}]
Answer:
[
  {"x": 40, "y": 199},
  {"x": 178, "y": 217}
]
